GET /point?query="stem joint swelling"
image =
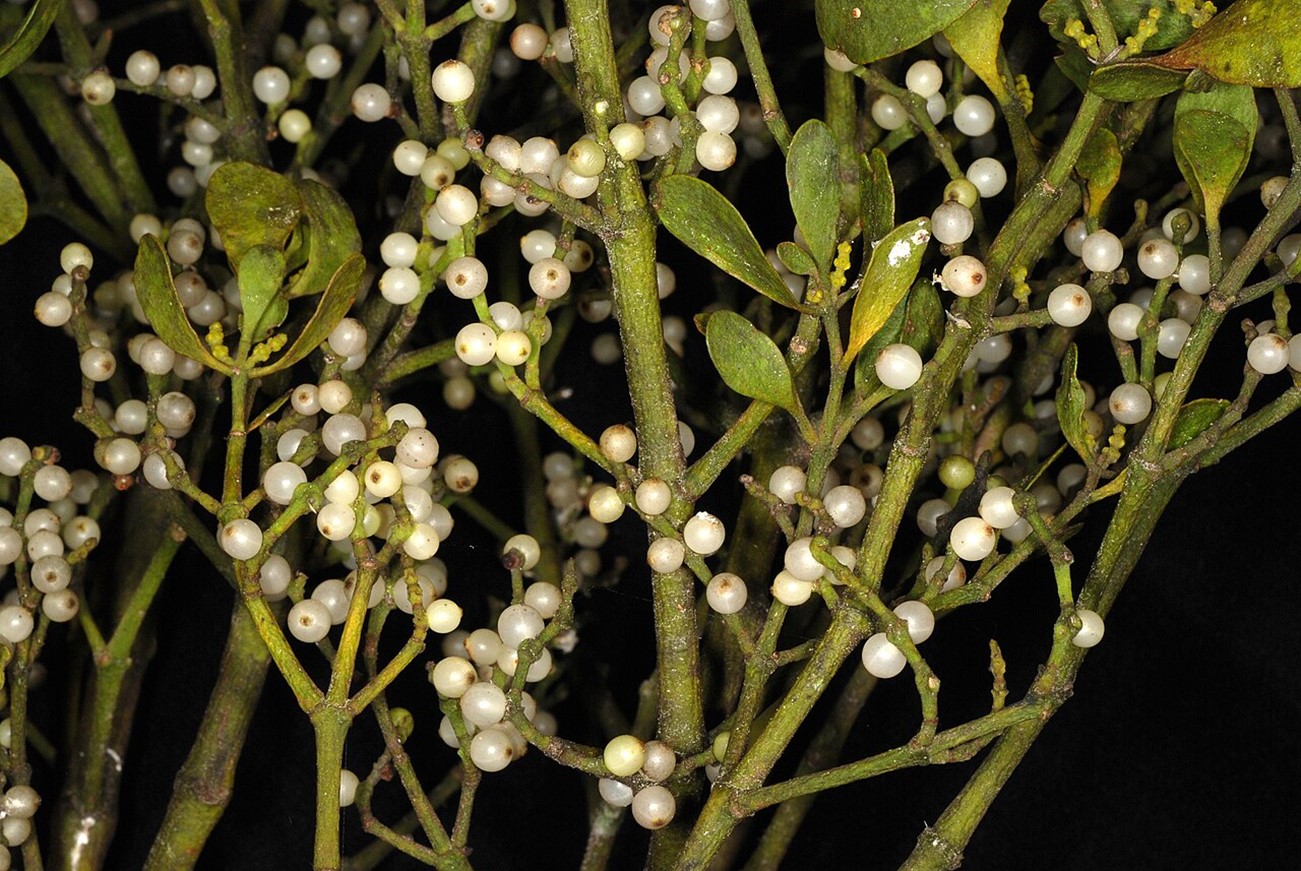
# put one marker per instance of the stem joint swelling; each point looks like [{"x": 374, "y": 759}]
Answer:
[{"x": 933, "y": 843}]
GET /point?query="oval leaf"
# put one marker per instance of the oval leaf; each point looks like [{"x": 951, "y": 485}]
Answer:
[
  {"x": 704, "y": 221},
  {"x": 923, "y": 325},
  {"x": 1213, "y": 135},
  {"x": 335, "y": 301},
  {"x": 1070, "y": 406},
  {"x": 331, "y": 237},
  {"x": 29, "y": 35},
  {"x": 251, "y": 205},
  {"x": 13, "y": 204},
  {"x": 748, "y": 361},
  {"x": 877, "y": 196},
  {"x": 813, "y": 176},
  {"x": 868, "y": 30},
  {"x": 795, "y": 258},
  {"x": 261, "y": 272},
  {"x": 1131, "y": 81},
  {"x": 889, "y": 274},
  {"x": 1099, "y": 165},
  {"x": 162, "y": 306},
  {"x": 975, "y": 37},
  {"x": 1194, "y": 419},
  {"x": 1253, "y": 42}
]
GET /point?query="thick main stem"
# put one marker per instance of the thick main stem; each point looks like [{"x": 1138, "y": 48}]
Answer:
[
  {"x": 331, "y": 726},
  {"x": 86, "y": 817},
  {"x": 630, "y": 243},
  {"x": 205, "y": 782}
]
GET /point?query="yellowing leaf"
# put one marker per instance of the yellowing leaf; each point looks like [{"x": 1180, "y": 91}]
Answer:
[
  {"x": 890, "y": 272},
  {"x": 1194, "y": 419},
  {"x": 162, "y": 306},
  {"x": 331, "y": 237},
  {"x": 13, "y": 204},
  {"x": 877, "y": 195},
  {"x": 251, "y": 205},
  {"x": 1070, "y": 406},
  {"x": 975, "y": 37},
  {"x": 1131, "y": 81},
  {"x": 261, "y": 272},
  {"x": 336, "y": 299},
  {"x": 1253, "y": 42},
  {"x": 1099, "y": 164}
]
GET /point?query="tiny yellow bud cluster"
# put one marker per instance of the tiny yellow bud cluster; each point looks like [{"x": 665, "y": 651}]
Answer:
[
  {"x": 1147, "y": 28},
  {"x": 1200, "y": 11},
  {"x": 263, "y": 351},
  {"x": 1023, "y": 92},
  {"x": 1075, "y": 30},
  {"x": 216, "y": 339},
  {"x": 1020, "y": 288},
  {"x": 841, "y": 265}
]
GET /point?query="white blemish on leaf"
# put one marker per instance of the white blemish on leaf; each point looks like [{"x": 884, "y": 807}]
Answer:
[{"x": 899, "y": 252}]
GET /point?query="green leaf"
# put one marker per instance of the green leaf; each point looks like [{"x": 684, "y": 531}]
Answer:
[
  {"x": 331, "y": 237},
  {"x": 748, "y": 361},
  {"x": 877, "y": 195},
  {"x": 251, "y": 205},
  {"x": 1172, "y": 27},
  {"x": 890, "y": 272},
  {"x": 1099, "y": 164},
  {"x": 868, "y": 30},
  {"x": 29, "y": 35},
  {"x": 975, "y": 37},
  {"x": 162, "y": 306},
  {"x": 795, "y": 258},
  {"x": 923, "y": 324},
  {"x": 1253, "y": 42},
  {"x": 1194, "y": 419},
  {"x": 1213, "y": 135},
  {"x": 1070, "y": 406},
  {"x": 335, "y": 301},
  {"x": 261, "y": 272},
  {"x": 704, "y": 221},
  {"x": 813, "y": 176},
  {"x": 1131, "y": 81},
  {"x": 13, "y": 204}
]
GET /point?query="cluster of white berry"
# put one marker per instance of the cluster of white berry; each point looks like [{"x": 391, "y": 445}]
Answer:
[
  {"x": 382, "y": 496},
  {"x": 476, "y": 665},
  {"x": 45, "y": 543}
]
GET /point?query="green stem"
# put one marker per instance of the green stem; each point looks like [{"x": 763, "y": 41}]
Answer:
[
  {"x": 631, "y": 248},
  {"x": 772, "y": 111},
  {"x": 905, "y": 756},
  {"x": 331, "y": 726},
  {"x": 121, "y": 156},
  {"x": 205, "y": 782},
  {"x": 1136, "y": 516},
  {"x": 246, "y": 134},
  {"x": 86, "y": 816},
  {"x": 537, "y": 512},
  {"x": 73, "y": 145},
  {"x": 822, "y": 751}
]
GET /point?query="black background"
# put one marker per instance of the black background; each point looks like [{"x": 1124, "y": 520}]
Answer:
[{"x": 1178, "y": 751}]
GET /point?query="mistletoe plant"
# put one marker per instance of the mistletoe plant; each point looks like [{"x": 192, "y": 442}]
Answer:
[{"x": 277, "y": 316}]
